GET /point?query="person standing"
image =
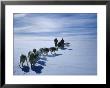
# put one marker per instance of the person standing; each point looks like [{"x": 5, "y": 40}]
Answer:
[
  {"x": 55, "y": 42},
  {"x": 62, "y": 42}
]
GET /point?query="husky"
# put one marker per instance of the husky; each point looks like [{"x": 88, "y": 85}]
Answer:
[
  {"x": 29, "y": 53},
  {"x": 33, "y": 56},
  {"x": 46, "y": 50},
  {"x": 23, "y": 58},
  {"x": 53, "y": 49},
  {"x": 40, "y": 51}
]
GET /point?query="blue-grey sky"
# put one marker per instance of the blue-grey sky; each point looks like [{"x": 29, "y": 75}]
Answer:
[{"x": 40, "y": 23}]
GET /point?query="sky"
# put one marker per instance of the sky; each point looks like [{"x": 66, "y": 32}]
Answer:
[{"x": 42, "y": 24}]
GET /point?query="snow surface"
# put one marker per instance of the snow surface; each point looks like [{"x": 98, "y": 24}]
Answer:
[{"x": 80, "y": 58}]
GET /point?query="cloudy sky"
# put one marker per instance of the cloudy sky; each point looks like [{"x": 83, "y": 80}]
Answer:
[{"x": 54, "y": 23}]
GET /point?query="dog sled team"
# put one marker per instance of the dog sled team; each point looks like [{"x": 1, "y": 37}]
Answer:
[{"x": 34, "y": 55}]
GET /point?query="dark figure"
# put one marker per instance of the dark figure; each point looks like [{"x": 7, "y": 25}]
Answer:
[
  {"x": 53, "y": 49},
  {"x": 62, "y": 43},
  {"x": 59, "y": 44},
  {"x": 45, "y": 51},
  {"x": 23, "y": 58},
  {"x": 34, "y": 50},
  {"x": 55, "y": 41},
  {"x": 32, "y": 58}
]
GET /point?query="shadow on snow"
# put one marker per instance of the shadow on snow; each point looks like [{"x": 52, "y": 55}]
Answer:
[
  {"x": 45, "y": 59},
  {"x": 37, "y": 69},
  {"x": 25, "y": 69},
  {"x": 69, "y": 49},
  {"x": 54, "y": 55},
  {"x": 42, "y": 63}
]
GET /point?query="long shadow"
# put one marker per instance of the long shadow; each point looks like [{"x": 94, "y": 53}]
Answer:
[
  {"x": 54, "y": 55},
  {"x": 43, "y": 63},
  {"x": 50, "y": 56},
  {"x": 25, "y": 69},
  {"x": 58, "y": 54},
  {"x": 37, "y": 69},
  {"x": 45, "y": 59},
  {"x": 37, "y": 60},
  {"x": 70, "y": 49},
  {"x": 67, "y": 45},
  {"x": 63, "y": 48}
]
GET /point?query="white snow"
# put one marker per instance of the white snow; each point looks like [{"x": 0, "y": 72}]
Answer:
[{"x": 80, "y": 58}]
